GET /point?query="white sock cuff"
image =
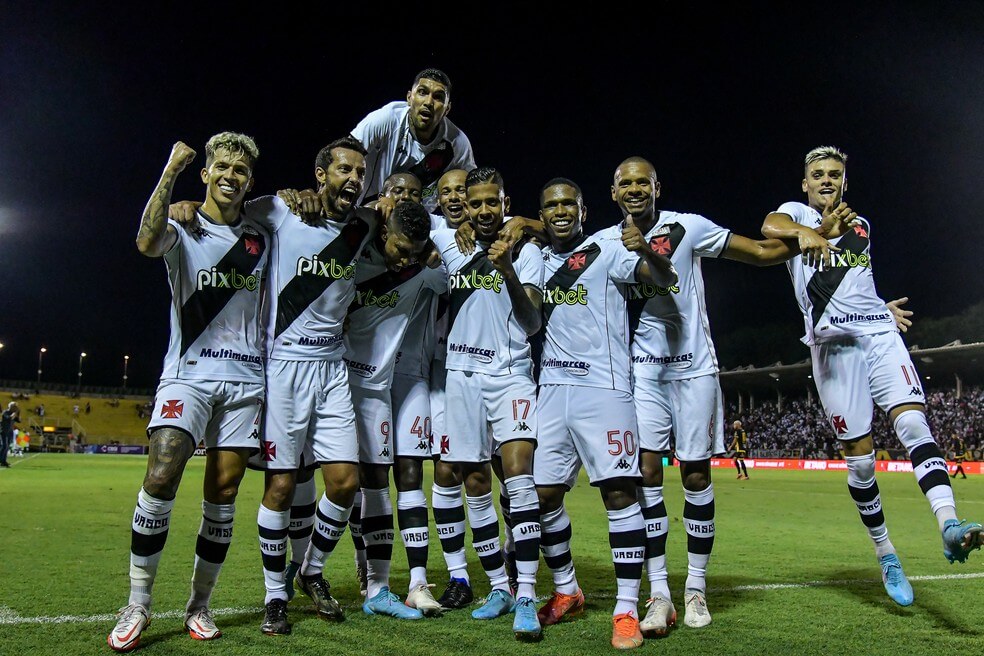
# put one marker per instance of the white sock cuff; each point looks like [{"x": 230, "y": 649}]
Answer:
[
  {"x": 651, "y": 496},
  {"x": 476, "y": 504},
  {"x": 452, "y": 493},
  {"x": 700, "y": 498},
  {"x": 222, "y": 512},
  {"x": 272, "y": 519},
  {"x": 522, "y": 493},
  {"x": 913, "y": 429},
  {"x": 861, "y": 470},
  {"x": 305, "y": 493},
  {"x": 624, "y": 513},
  {"x": 153, "y": 505},
  {"x": 410, "y": 499}
]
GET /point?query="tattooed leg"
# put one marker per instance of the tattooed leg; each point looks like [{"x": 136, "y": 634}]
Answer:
[{"x": 170, "y": 450}]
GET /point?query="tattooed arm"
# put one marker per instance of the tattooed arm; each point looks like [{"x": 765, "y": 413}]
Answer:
[{"x": 155, "y": 237}]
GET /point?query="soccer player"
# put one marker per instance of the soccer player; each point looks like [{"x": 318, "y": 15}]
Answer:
[
  {"x": 446, "y": 492},
  {"x": 859, "y": 360},
  {"x": 415, "y": 136},
  {"x": 739, "y": 442},
  {"x": 495, "y": 306},
  {"x": 392, "y": 292},
  {"x": 11, "y": 416},
  {"x": 959, "y": 456},
  {"x": 676, "y": 384},
  {"x": 585, "y": 409},
  {"x": 309, "y": 404},
  {"x": 212, "y": 384}
]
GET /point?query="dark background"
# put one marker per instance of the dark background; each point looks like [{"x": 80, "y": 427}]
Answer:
[{"x": 724, "y": 103}]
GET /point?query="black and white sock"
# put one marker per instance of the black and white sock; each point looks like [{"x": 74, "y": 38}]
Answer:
[
  {"x": 214, "y": 537},
  {"x": 627, "y": 537},
  {"x": 863, "y": 487},
  {"x": 377, "y": 531},
  {"x": 555, "y": 543},
  {"x": 148, "y": 533},
  {"x": 411, "y": 512},
  {"x": 656, "y": 525},
  {"x": 273, "y": 529},
  {"x": 449, "y": 517},
  {"x": 329, "y": 526},
  {"x": 302, "y": 519},
  {"x": 485, "y": 539},
  {"x": 698, "y": 517}
]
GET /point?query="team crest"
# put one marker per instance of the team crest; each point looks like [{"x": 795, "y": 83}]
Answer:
[
  {"x": 172, "y": 409},
  {"x": 660, "y": 245},
  {"x": 576, "y": 261},
  {"x": 268, "y": 451},
  {"x": 860, "y": 231},
  {"x": 839, "y": 424},
  {"x": 252, "y": 245}
]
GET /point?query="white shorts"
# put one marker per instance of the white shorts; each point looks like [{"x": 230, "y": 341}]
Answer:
[
  {"x": 596, "y": 427},
  {"x": 309, "y": 406},
  {"x": 226, "y": 415},
  {"x": 412, "y": 436},
  {"x": 439, "y": 431},
  {"x": 692, "y": 409},
  {"x": 373, "y": 422},
  {"x": 476, "y": 401},
  {"x": 854, "y": 374}
]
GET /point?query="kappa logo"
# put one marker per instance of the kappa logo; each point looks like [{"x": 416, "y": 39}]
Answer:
[
  {"x": 660, "y": 245},
  {"x": 915, "y": 391},
  {"x": 522, "y": 426},
  {"x": 268, "y": 451},
  {"x": 623, "y": 464},
  {"x": 422, "y": 444},
  {"x": 576, "y": 261},
  {"x": 252, "y": 245},
  {"x": 172, "y": 409},
  {"x": 839, "y": 424},
  {"x": 385, "y": 452}
]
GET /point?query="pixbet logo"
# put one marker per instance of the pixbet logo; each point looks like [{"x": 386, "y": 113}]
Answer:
[
  {"x": 231, "y": 280},
  {"x": 369, "y": 298},
  {"x": 558, "y": 296},
  {"x": 476, "y": 280},
  {"x": 326, "y": 269},
  {"x": 650, "y": 291}
]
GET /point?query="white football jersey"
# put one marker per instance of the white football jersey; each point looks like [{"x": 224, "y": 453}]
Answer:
[
  {"x": 420, "y": 339},
  {"x": 587, "y": 327},
  {"x": 215, "y": 271},
  {"x": 311, "y": 281},
  {"x": 671, "y": 334},
  {"x": 384, "y": 303},
  {"x": 840, "y": 301},
  {"x": 392, "y": 148},
  {"x": 483, "y": 334}
]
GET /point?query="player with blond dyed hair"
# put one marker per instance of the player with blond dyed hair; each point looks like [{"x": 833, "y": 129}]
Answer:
[
  {"x": 212, "y": 384},
  {"x": 859, "y": 360}
]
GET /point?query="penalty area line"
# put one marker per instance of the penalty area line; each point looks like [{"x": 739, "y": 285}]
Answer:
[{"x": 9, "y": 616}]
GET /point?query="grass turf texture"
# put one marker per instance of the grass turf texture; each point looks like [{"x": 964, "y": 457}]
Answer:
[{"x": 65, "y": 528}]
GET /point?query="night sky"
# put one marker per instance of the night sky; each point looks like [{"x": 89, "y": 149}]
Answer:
[{"x": 725, "y": 105}]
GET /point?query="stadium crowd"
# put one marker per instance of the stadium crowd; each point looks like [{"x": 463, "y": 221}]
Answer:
[{"x": 801, "y": 429}]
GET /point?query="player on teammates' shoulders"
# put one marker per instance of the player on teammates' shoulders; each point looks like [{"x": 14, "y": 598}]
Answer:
[
  {"x": 860, "y": 360},
  {"x": 211, "y": 388},
  {"x": 415, "y": 136}
]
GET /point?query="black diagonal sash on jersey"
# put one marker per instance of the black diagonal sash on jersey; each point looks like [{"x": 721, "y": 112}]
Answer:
[
  {"x": 568, "y": 273},
  {"x": 430, "y": 169},
  {"x": 823, "y": 285},
  {"x": 384, "y": 283},
  {"x": 303, "y": 290},
  {"x": 636, "y": 301},
  {"x": 479, "y": 263},
  {"x": 205, "y": 304}
]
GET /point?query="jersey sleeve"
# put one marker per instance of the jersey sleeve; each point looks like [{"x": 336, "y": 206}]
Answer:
[
  {"x": 622, "y": 263},
  {"x": 436, "y": 280},
  {"x": 795, "y": 212},
  {"x": 710, "y": 239},
  {"x": 180, "y": 234},
  {"x": 529, "y": 266},
  {"x": 268, "y": 212},
  {"x": 464, "y": 158},
  {"x": 374, "y": 128}
]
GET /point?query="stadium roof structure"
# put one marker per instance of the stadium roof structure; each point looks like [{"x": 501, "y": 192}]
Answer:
[{"x": 942, "y": 362}]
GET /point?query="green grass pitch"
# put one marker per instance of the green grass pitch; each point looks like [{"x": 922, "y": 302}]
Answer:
[{"x": 793, "y": 572}]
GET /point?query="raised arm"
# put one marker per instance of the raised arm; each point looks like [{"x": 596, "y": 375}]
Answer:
[
  {"x": 155, "y": 237},
  {"x": 525, "y": 302},
  {"x": 812, "y": 243},
  {"x": 764, "y": 252}
]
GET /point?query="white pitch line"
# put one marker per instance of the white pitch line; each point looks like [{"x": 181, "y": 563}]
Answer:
[
  {"x": 9, "y": 616},
  {"x": 21, "y": 461}
]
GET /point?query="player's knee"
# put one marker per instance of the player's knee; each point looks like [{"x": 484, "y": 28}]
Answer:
[
  {"x": 409, "y": 474},
  {"x": 860, "y": 469},
  {"x": 477, "y": 483},
  {"x": 341, "y": 487},
  {"x": 161, "y": 483},
  {"x": 651, "y": 468},
  {"x": 550, "y": 498},
  {"x": 619, "y": 497},
  {"x": 445, "y": 474},
  {"x": 278, "y": 493},
  {"x": 695, "y": 478},
  {"x": 913, "y": 429}
]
